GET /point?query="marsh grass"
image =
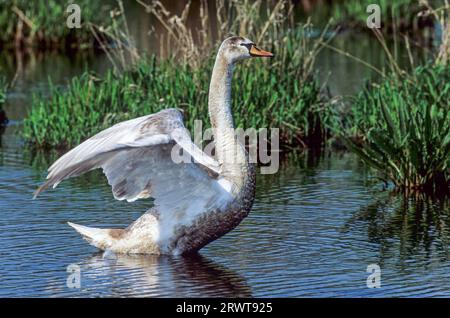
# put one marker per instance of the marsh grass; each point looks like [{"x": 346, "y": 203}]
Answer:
[
  {"x": 42, "y": 23},
  {"x": 405, "y": 126},
  {"x": 116, "y": 41},
  {"x": 262, "y": 21},
  {"x": 401, "y": 127},
  {"x": 399, "y": 15},
  {"x": 282, "y": 93},
  {"x": 264, "y": 95}
]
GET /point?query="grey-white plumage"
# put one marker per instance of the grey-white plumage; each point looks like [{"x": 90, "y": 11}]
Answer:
[
  {"x": 195, "y": 202},
  {"x": 132, "y": 153}
]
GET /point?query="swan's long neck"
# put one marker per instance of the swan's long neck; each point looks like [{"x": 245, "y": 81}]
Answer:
[{"x": 229, "y": 152}]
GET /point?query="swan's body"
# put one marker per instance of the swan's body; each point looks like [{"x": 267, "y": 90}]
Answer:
[{"x": 195, "y": 202}]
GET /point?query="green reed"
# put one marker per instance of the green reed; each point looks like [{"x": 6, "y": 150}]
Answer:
[
  {"x": 281, "y": 93},
  {"x": 42, "y": 23},
  {"x": 265, "y": 94},
  {"x": 399, "y": 14},
  {"x": 405, "y": 127}
]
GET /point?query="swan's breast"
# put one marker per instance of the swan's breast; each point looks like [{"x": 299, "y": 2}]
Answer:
[{"x": 216, "y": 222}]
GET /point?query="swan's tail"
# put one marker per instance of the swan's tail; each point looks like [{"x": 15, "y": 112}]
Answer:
[{"x": 101, "y": 238}]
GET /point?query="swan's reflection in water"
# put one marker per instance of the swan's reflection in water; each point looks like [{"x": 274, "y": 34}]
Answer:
[{"x": 160, "y": 276}]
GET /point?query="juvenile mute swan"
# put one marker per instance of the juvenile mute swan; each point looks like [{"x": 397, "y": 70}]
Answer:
[{"x": 195, "y": 202}]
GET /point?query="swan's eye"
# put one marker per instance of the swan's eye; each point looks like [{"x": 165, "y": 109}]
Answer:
[{"x": 248, "y": 45}]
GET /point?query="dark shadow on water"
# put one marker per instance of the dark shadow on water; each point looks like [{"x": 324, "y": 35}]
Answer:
[
  {"x": 406, "y": 227},
  {"x": 166, "y": 276}
]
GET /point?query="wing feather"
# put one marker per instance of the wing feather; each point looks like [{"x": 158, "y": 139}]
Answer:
[{"x": 136, "y": 158}]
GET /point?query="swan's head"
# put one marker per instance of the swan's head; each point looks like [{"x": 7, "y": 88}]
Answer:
[{"x": 238, "y": 48}]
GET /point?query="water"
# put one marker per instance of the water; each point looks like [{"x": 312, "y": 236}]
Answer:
[{"x": 314, "y": 228}]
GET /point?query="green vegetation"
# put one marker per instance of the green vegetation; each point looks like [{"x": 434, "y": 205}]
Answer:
[
  {"x": 43, "y": 23},
  {"x": 282, "y": 93},
  {"x": 405, "y": 124},
  {"x": 274, "y": 95},
  {"x": 401, "y": 14}
]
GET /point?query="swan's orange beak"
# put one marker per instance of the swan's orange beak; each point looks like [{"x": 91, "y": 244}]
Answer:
[{"x": 257, "y": 52}]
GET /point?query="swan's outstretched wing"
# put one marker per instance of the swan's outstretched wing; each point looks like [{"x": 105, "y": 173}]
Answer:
[{"x": 136, "y": 158}]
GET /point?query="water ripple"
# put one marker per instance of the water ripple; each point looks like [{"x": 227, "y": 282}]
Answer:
[{"x": 310, "y": 234}]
